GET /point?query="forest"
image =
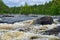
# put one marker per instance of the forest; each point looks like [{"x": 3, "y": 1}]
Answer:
[{"x": 51, "y": 8}]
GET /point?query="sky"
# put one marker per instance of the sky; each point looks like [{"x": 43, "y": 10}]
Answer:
[{"x": 12, "y": 3}]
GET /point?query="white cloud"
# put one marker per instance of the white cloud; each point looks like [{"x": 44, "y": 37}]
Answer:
[
  {"x": 15, "y": 1},
  {"x": 11, "y": 3}
]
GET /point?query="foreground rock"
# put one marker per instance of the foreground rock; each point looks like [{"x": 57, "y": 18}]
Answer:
[
  {"x": 45, "y": 20},
  {"x": 54, "y": 31}
]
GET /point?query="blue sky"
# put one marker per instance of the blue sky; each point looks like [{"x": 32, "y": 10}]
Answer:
[{"x": 12, "y": 3}]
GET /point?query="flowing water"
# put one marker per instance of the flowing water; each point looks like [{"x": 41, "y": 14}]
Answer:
[{"x": 14, "y": 23}]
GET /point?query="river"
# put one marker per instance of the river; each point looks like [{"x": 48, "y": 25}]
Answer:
[{"x": 11, "y": 25}]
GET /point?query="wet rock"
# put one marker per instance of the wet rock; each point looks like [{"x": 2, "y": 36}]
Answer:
[
  {"x": 7, "y": 15},
  {"x": 54, "y": 31},
  {"x": 1, "y": 22},
  {"x": 24, "y": 29},
  {"x": 21, "y": 30},
  {"x": 45, "y": 20}
]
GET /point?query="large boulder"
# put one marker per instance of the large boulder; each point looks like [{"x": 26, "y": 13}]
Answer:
[{"x": 44, "y": 20}]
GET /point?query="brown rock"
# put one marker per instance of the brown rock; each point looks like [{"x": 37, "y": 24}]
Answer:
[{"x": 45, "y": 20}]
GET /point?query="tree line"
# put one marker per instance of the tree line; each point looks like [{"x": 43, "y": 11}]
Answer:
[{"x": 51, "y": 8}]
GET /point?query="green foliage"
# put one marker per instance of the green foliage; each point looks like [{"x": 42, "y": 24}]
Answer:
[
  {"x": 51, "y": 8},
  {"x": 3, "y": 7}
]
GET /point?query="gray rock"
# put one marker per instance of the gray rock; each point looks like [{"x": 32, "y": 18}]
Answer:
[
  {"x": 54, "y": 31},
  {"x": 44, "y": 20}
]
